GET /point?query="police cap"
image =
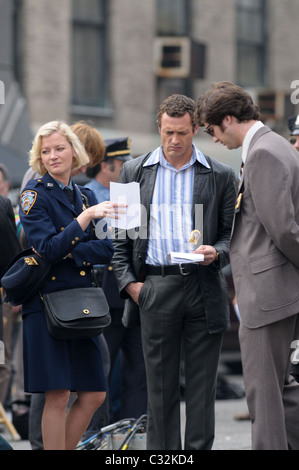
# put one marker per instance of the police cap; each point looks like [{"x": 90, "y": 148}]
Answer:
[
  {"x": 118, "y": 148},
  {"x": 25, "y": 276}
]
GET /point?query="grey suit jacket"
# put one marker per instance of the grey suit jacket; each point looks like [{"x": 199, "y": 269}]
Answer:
[
  {"x": 214, "y": 188},
  {"x": 264, "y": 248}
]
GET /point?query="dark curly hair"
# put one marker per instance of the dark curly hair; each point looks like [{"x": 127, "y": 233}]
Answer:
[{"x": 225, "y": 99}]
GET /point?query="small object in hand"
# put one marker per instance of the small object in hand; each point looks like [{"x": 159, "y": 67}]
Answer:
[{"x": 194, "y": 236}]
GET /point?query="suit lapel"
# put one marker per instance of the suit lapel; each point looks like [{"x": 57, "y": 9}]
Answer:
[
  {"x": 147, "y": 185},
  {"x": 201, "y": 190},
  {"x": 201, "y": 180},
  {"x": 259, "y": 133}
]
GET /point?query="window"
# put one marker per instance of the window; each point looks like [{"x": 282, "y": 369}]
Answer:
[
  {"x": 89, "y": 70},
  {"x": 172, "y": 17},
  {"x": 251, "y": 42}
]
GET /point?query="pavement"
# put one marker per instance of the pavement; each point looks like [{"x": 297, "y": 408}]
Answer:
[{"x": 230, "y": 434}]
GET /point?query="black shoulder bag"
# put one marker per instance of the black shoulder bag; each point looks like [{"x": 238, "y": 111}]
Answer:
[{"x": 76, "y": 313}]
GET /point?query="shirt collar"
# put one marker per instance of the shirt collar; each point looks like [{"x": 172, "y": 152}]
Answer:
[
  {"x": 157, "y": 155},
  {"x": 70, "y": 185},
  {"x": 248, "y": 137}
]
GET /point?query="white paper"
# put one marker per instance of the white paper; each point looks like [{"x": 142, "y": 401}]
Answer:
[
  {"x": 178, "y": 257},
  {"x": 128, "y": 194}
]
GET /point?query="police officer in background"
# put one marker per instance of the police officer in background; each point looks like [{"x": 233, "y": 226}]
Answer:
[
  {"x": 121, "y": 340},
  {"x": 293, "y": 123}
]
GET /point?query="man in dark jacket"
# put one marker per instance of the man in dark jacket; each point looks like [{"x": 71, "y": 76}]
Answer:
[
  {"x": 185, "y": 196},
  {"x": 9, "y": 248}
]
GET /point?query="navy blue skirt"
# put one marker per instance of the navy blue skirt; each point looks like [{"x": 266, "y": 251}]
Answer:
[{"x": 51, "y": 364}]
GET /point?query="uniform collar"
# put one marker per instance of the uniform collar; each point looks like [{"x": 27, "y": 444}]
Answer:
[
  {"x": 48, "y": 181},
  {"x": 62, "y": 186}
]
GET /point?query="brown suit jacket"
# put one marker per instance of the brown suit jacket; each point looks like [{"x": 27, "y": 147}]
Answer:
[{"x": 264, "y": 248}]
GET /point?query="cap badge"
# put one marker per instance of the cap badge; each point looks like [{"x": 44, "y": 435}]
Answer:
[{"x": 31, "y": 261}]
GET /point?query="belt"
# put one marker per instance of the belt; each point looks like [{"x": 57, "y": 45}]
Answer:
[{"x": 183, "y": 268}]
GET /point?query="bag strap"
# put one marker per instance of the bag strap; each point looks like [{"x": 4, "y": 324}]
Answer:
[
  {"x": 84, "y": 197},
  {"x": 86, "y": 204}
]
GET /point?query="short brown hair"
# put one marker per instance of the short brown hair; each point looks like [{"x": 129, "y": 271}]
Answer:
[
  {"x": 176, "y": 106},
  {"x": 92, "y": 140},
  {"x": 225, "y": 99}
]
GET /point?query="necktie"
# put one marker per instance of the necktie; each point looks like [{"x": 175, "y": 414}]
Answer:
[
  {"x": 70, "y": 194},
  {"x": 241, "y": 171}
]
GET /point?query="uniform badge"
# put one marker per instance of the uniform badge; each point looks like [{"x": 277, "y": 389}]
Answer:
[
  {"x": 238, "y": 202},
  {"x": 28, "y": 199}
]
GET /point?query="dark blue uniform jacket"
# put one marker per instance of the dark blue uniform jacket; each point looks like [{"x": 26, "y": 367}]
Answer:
[{"x": 50, "y": 225}]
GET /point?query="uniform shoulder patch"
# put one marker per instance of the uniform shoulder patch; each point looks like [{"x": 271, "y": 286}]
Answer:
[{"x": 27, "y": 200}]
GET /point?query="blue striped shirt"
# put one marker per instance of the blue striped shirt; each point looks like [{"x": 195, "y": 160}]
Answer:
[{"x": 171, "y": 220}]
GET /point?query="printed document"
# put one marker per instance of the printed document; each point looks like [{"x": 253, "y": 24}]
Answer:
[
  {"x": 178, "y": 257},
  {"x": 128, "y": 194}
]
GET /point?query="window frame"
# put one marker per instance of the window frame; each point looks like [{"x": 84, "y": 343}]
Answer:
[
  {"x": 101, "y": 107},
  {"x": 258, "y": 47}
]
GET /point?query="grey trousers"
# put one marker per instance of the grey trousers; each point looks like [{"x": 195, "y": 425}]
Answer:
[
  {"x": 272, "y": 394},
  {"x": 172, "y": 314}
]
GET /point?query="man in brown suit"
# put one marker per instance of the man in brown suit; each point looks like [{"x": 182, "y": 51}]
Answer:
[{"x": 264, "y": 257}]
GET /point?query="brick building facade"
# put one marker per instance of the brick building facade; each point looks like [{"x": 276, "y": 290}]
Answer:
[{"x": 56, "y": 71}]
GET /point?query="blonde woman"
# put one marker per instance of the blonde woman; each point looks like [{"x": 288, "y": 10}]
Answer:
[{"x": 60, "y": 231}]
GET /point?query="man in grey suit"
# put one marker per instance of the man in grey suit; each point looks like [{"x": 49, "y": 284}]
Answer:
[
  {"x": 181, "y": 190},
  {"x": 264, "y": 255}
]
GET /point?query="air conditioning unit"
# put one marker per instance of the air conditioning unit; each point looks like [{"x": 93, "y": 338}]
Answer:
[{"x": 172, "y": 57}]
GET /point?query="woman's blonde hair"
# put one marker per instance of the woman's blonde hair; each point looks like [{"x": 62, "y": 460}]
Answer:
[{"x": 35, "y": 160}]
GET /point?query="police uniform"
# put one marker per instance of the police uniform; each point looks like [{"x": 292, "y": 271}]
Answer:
[
  {"x": 50, "y": 225},
  {"x": 293, "y": 123},
  {"x": 133, "y": 399}
]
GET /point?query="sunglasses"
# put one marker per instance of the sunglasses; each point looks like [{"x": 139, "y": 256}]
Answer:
[{"x": 209, "y": 131}]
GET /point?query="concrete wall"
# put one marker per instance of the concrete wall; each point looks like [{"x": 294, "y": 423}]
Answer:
[{"x": 46, "y": 59}]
